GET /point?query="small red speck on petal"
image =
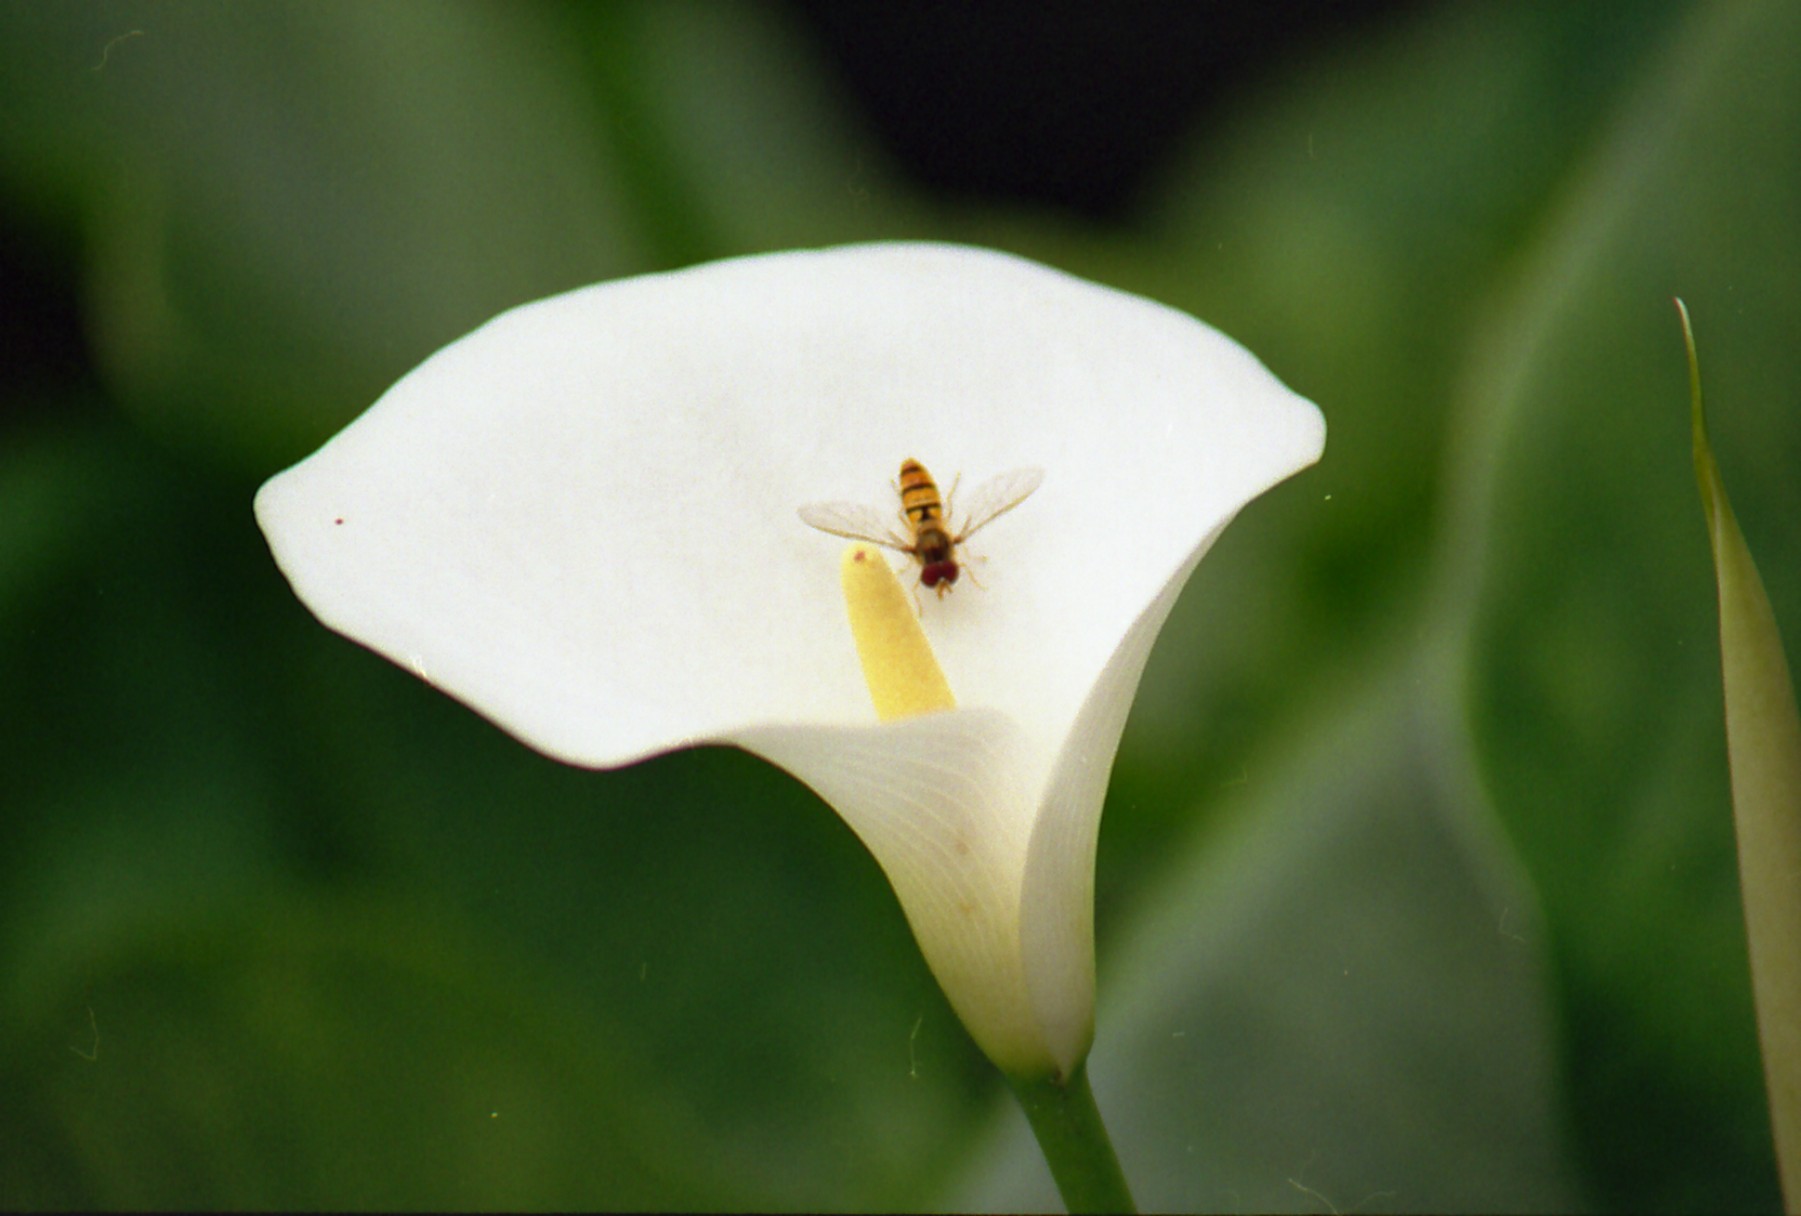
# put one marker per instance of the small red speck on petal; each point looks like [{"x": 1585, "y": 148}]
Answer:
[
  {"x": 338, "y": 520},
  {"x": 861, "y": 553}
]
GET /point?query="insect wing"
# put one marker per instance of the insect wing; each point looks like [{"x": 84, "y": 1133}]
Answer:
[
  {"x": 997, "y": 496},
  {"x": 852, "y": 520}
]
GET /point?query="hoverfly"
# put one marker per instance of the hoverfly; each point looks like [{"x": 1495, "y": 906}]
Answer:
[{"x": 933, "y": 545}]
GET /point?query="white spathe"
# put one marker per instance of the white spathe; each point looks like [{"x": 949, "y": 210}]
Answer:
[{"x": 580, "y": 520}]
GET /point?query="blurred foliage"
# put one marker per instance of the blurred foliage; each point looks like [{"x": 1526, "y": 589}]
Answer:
[{"x": 1417, "y": 885}]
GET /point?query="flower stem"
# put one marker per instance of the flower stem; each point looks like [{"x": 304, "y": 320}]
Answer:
[{"x": 1074, "y": 1142}]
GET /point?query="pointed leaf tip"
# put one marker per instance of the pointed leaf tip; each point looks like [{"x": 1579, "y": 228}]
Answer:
[{"x": 1707, "y": 474}]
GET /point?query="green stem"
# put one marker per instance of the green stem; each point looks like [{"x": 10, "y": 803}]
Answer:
[{"x": 1074, "y": 1142}]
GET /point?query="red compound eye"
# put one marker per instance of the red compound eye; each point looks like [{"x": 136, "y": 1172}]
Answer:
[{"x": 938, "y": 572}]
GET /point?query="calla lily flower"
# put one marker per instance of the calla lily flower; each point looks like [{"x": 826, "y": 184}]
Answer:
[{"x": 581, "y": 520}]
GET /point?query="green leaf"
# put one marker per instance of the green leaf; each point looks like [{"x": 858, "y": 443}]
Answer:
[
  {"x": 1763, "y": 739},
  {"x": 1341, "y": 1002},
  {"x": 1591, "y": 680},
  {"x": 286, "y": 207},
  {"x": 1460, "y": 240},
  {"x": 290, "y": 1053},
  {"x": 1349, "y": 230}
]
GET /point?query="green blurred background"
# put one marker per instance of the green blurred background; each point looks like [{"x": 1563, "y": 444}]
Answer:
[{"x": 1417, "y": 887}]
